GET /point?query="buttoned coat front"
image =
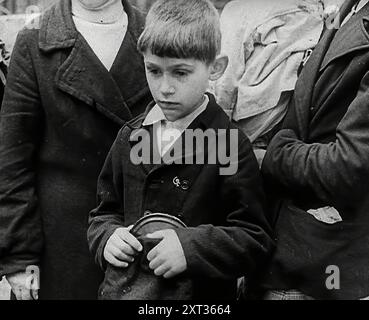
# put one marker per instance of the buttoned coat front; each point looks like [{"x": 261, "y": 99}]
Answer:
[
  {"x": 228, "y": 232},
  {"x": 61, "y": 112},
  {"x": 321, "y": 159}
]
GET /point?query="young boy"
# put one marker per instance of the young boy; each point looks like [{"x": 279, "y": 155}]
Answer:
[{"x": 227, "y": 233}]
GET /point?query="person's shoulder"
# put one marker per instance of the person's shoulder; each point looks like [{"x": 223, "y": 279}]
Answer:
[
  {"x": 33, "y": 26},
  {"x": 37, "y": 21},
  {"x": 130, "y": 126},
  {"x": 233, "y": 10},
  {"x": 25, "y": 42},
  {"x": 138, "y": 11},
  {"x": 221, "y": 121},
  {"x": 136, "y": 122},
  {"x": 139, "y": 17},
  {"x": 30, "y": 32}
]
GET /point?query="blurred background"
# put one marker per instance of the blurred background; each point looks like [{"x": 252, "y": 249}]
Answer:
[
  {"x": 19, "y": 6},
  {"x": 15, "y": 13}
]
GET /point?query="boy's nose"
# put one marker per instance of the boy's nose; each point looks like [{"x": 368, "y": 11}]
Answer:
[{"x": 166, "y": 88}]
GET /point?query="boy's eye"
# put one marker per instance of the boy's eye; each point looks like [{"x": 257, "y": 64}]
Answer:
[
  {"x": 154, "y": 72},
  {"x": 181, "y": 73}
]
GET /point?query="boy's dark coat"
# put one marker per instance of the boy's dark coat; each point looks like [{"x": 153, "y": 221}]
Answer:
[
  {"x": 322, "y": 159},
  {"x": 202, "y": 198},
  {"x": 61, "y": 113}
]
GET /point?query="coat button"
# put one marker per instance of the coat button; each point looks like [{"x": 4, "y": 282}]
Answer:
[
  {"x": 126, "y": 290},
  {"x": 185, "y": 185},
  {"x": 177, "y": 182}
]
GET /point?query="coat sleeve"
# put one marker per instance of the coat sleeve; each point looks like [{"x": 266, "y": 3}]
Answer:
[
  {"x": 335, "y": 172},
  {"x": 21, "y": 121},
  {"x": 108, "y": 216},
  {"x": 244, "y": 242}
]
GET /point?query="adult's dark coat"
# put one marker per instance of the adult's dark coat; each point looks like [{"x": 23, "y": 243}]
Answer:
[
  {"x": 228, "y": 234},
  {"x": 61, "y": 112},
  {"x": 321, "y": 159}
]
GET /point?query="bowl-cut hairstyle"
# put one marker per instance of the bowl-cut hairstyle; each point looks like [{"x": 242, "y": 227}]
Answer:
[{"x": 184, "y": 29}]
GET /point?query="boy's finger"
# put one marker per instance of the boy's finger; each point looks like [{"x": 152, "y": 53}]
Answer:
[
  {"x": 121, "y": 256},
  {"x": 163, "y": 269},
  {"x": 170, "y": 274},
  {"x": 130, "y": 239},
  {"x": 134, "y": 243},
  {"x": 123, "y": 246},
  {"x": 157, "y": 235},
  {"x": 156, "y": 263},
  {"x": 153, "y": 254},
  {"x": 115, "y": 262},
  {"x": 127, "y": 249}
]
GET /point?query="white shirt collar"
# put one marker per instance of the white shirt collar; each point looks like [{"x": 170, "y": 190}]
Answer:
[{"x": 156, "y": 114}]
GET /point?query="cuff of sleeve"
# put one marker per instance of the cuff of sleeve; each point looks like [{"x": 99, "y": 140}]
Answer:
[
  {"x": 100, "y": 253},
  {"x": 185, "y": 236}
]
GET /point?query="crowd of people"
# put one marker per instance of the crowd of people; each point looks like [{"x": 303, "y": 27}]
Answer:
[{"x": 171, "y": 154}]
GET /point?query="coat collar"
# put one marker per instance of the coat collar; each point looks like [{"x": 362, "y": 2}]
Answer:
[
  {"x": 83, "y": 76},
  {"x": 351, "y": 37},
  {"x": 305, "y": 85},
  {"x": 58, "y": 31},
  {"x": 206, "y": 120}
]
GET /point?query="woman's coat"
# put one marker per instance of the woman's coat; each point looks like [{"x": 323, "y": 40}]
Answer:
[{"x": 61, "y": 112}]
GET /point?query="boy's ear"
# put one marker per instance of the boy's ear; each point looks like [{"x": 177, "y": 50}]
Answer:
[{"x": 218, "y": 67}]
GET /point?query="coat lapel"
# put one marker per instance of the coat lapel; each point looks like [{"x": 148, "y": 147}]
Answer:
[
  {"x": 309, "y": 75},
  {"x": 130, "y": 77},
  {"x": 83, "y": 76},
  {"x": 350, "y": 38}
]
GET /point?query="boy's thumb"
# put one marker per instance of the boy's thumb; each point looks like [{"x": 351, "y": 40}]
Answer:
[{"x": 156, "y": 235}]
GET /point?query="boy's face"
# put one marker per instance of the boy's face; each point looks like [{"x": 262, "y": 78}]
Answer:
[{"x": 177, "y": 85}]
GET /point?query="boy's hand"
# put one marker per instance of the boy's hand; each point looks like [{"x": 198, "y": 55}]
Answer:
[
  {"x": 121, "y": 248},
  {"x": 167, "y": 259}
]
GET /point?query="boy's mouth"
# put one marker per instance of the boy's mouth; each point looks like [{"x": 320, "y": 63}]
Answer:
[{"x": 167, "y": 104}]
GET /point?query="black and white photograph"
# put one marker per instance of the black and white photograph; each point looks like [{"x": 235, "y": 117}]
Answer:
[{"x": 170, "y": 152}]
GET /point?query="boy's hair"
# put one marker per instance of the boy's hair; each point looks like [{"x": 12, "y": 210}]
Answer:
[{"x": 184, "y": 29}]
